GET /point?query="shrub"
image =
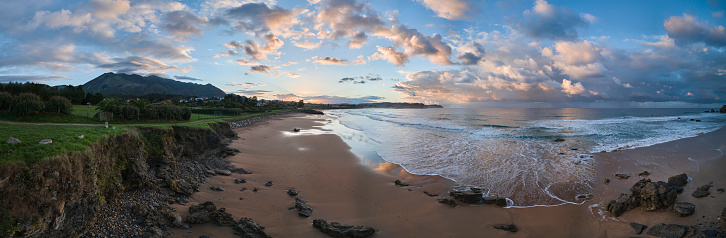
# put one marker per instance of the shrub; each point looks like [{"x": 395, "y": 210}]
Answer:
[
  {"x": 167, "y": 113},
  {"x": 58, "y": 104},
  {"x": 26, "y": 104}
]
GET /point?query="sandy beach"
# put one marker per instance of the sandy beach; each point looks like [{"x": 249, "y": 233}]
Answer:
[{"x": 334, "y": 182}]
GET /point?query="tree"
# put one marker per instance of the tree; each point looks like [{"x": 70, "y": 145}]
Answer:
[
  {"x": 6, "y": 99},
  {"x": 300, "y": 104},
  {"x": 58, "y": 104},
  {"x": 26, "y": 104}
]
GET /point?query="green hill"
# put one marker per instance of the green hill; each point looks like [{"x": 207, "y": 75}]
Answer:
[{"x": 133, "y": 85}]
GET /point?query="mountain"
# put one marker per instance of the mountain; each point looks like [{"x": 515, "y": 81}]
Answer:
[{"x": 133, "y": 85}]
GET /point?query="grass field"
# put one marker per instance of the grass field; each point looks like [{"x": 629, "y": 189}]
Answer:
[{"x": 65, "y": 140}]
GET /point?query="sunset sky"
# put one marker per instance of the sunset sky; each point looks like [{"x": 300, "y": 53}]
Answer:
[{"x": 458, "y": 53}]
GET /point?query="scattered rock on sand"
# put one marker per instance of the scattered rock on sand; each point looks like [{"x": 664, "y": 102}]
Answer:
[
  {"x": 678, "y": 180},
  {"x": 722, "y": 218},
  {"x": 721, "y": 190},
  {"x": 606, "y": 180},
  {"x": 182, "y": 187},
  {"x": 639, "y": 228},
  {"x": 247, "y": 228},
  {"x": 335, "y": 229},
  {"x": 430, "y": 194},
  {"x": 399, "y": 183},
  {"x": 201, "y": 213},
  {"x": 292, "y": 192},
  {"x": 683, "y": 209},
  {"x": 506, "y": 227},
  {"x": 240, "y": 171},
  {"x": 12, "y": 140},
  {"x": 702, "y": 191},
  {"x": 238, "y": 181},
  {"x": 268, "y": 184},
  {"x": 622, "y": 176},
  {"x": 499, "y": 201},
  {"x": 303, "y": 209},
  {"x": 644, "y": 173},
  {"x": 224, "y": 172},
  {"x": 213, "y": 188},
  {"x": 448, "y": 201},
  {"x": 667, "y": 230}
]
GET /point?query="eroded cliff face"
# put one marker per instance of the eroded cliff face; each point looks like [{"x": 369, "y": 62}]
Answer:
[{"x": 62, "y": 196}]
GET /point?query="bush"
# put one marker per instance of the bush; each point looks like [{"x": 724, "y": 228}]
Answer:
[
  {"x": 58, "y": 104},
  {"x": 167, "y": 113},
  {"x": 125, "y": 112},
  {"x": 6, "y": 99},
  {"x": 26, "y": 104}
]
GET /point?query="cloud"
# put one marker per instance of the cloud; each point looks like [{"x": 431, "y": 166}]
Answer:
[
  {"x": 361, "y": 79},
  {"x": 546, "y": 21},
  {"x": 347, "y": 18},
  {"x": 452, "y": 10},
  {"x": 187, "y": 78},
  {"x": 570, "y": 88},
  {"x": 243, "y": 61},
  {"x": 342, "y": 99},
  {"x": 256, "y": 50},
  {"x": 391, "y": 55},
  {"x": 137, "y": 64},
  {"x": 182, "y": 24},
  {"x": 471, "y": 53},
  {"x": 328, "y": 60},
  {"x": 251, "y": 93},
  {"x": 294, "y": 75},
  {"x": 259, "y": 19},
  {"x": 264, "y": 69},
  {"x": 306, "y": 44},
  {"x": 687, "y": 30},
  {"x": 416, "y": 44},
  {"x": 31, "y": 78}
]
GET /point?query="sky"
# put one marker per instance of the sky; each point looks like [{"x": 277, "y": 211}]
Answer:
[{"x": 457, "y": 53}]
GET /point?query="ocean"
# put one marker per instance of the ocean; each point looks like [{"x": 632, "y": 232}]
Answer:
[{"x": 533, "y": 157}]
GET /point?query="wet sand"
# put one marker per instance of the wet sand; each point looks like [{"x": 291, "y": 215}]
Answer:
[{"x": 340, "y": 188}]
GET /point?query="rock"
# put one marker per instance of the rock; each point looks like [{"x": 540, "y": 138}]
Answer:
[
  {"x": 702, "y": 191},
  {"x": 296, "y": 130},
  {"x": 430, "y": 194},
  {"x": 222, "y": 218},
  {"x": 247, "y": 228},
  {"x": 12, "y": 141},
  {"x": 153, "y": 232},
  {"x": 80, "y": 137},
  {"x": 499, "y": 201},
  {"x": 201, "y": 213},
  {"x": 667, "y": 230},
  {"x": 241, "y": 171},
  {"x": 723, "y": 109},
  {"x": 721, "y": 190},
  {"x": 399, "y": 183},
  {"x": 182, "y": 187},
  {"x": 506, "y": 227},
  {"x": 606, "y": 181},
  {"x": 467, "y": 196},
  {"x": 204, "y": 236},
  {"x": 220, "y": 188},
  {"x": 335, "y": 229},
  {"x": 622, "y": 176},
  {"x": 223, "y": 172},
  {"x": 292, "y": 192},
  {"x": 722, "y": 218},
  {"x": 559, "y": 140},
  {"x": 448, "y": 201},
  {"x": 46, "y": 141},
  {"x": 177, "y": 220},
  {"x": 639, "y": 228},
  {"x": 238, "y": 181},
  {"x": 683, "y": 209},
  {"x": 646, "y": 194},
  {"x": 303, "y": 209},
  {"x": 698, "y": 120},
  {"x": 678, "y": 180},
  {"x": 268, "y": 184},
  {"x": 644, "y": 173}
]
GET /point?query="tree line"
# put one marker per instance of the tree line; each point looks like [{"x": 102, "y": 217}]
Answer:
[{"x": 73, "y": 93}]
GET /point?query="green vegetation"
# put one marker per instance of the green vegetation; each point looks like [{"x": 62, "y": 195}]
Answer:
[
  {"x": 65, "y": 140},
  {"x": 82, "y": 110}
]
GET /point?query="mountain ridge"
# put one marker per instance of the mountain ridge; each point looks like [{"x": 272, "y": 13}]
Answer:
[{"x": 134, "y": 85}]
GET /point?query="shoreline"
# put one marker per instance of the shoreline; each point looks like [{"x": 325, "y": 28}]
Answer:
[{"x": 340, "y": 187}]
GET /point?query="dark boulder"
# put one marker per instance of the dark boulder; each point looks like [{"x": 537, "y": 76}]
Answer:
[
  {"x": 499, "y": 201},
  {"x": 683, "y": 209},
  {"x": 201, "y": 213},
  {"x": 182, "y": 187},
  {"x": 399, "y": 183},
  {"x": 240, "y": 171},
  {"x": 702, "y": 191},
  {"x": 467, "y": 196},
  {"x": 268, "y": 184},
  {"x": 622, "y": 176},
  {"x": 667, "y": 230},
  {"x": 303, "y": 209},
  {"x": 335, "y": 229},
  {"x": 639, "y": 228},
  {"x": 247, "y": 228},
  {"x": 238, "y": 181},
  {"x": 644, "y": 173},
  {"x": 506, "y": 227},
  {"x": 220, "y": 188},
  {"x": 292, "y": 192},
  {"x": 722, "y": 218},
  {"x": 222, "y": 218},
  {"x": 646, "y": 194},
  {"x": 606, "y": 180},
  {"x": 223, "y": 172},
  {"x": 723, "y": 109},
  {"x": 678, "y": 180},
  {"x": 448, "y": 201}
]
